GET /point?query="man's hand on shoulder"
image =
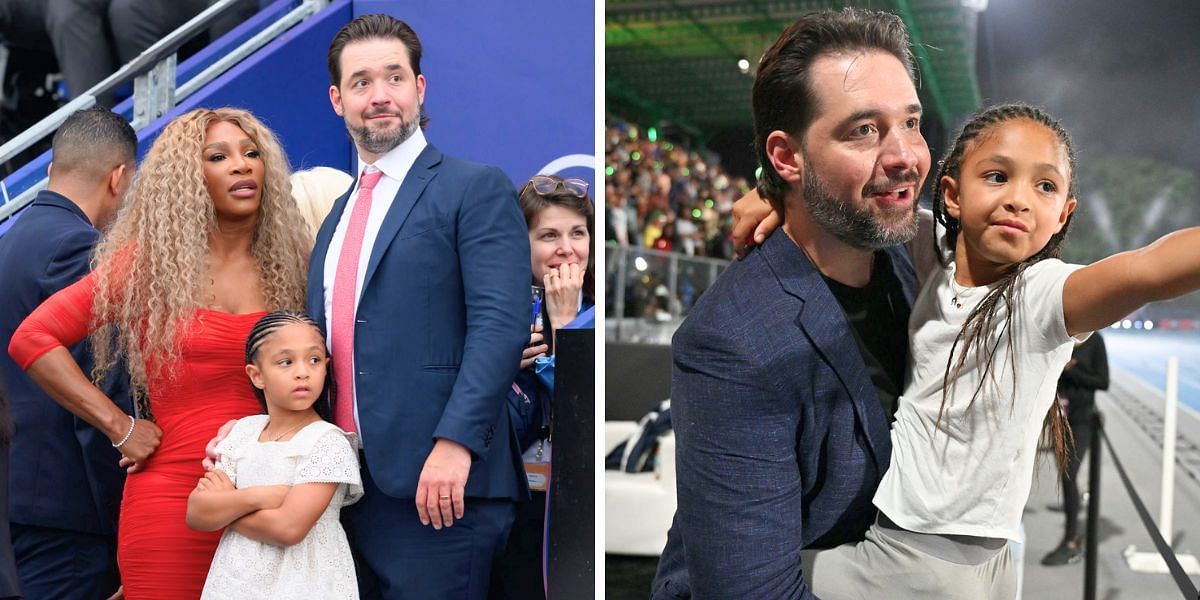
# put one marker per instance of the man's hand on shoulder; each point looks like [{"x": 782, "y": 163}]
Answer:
[
  {"x": 443, "y": 483},
  {"x": 211, "y": 456}
]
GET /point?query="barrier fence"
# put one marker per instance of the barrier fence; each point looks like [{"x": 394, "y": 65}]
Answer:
[
  {"x": 654, "y": 286},
  {"x": 1182, "y": 581}
]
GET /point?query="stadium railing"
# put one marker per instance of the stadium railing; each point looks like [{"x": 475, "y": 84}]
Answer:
[
  {"x": 158, "y": 85},
  {"x": 650, "y": 288}
]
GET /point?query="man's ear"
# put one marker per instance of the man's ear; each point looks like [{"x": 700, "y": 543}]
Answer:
[
  {"x": 420, "y": 90},
  {"x": 784, "y": 153},
  {"x": 948, "y": 188},
  {"x": 335, "y": 99},
  {"x": 255, "y": 376},
  {"x": 115, "y": 177}
]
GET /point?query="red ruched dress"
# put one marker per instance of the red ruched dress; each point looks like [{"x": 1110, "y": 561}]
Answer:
[{"x": 159, "y": 556}]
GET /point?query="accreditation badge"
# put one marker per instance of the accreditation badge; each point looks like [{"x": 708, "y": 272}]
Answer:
[{"x": 537, "y": 466}]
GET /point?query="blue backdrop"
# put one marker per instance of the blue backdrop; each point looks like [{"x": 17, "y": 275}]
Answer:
[{"x": 509, "y": 83}]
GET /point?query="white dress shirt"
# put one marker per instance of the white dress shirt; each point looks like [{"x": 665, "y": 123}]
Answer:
[{"x": 395, "y": 166}]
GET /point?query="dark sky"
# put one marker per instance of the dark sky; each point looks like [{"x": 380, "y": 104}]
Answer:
[{"x": 1123, "y": 76}]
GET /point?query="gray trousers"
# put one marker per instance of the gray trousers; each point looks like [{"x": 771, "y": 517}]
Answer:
[{"x": 883, "y": 567}]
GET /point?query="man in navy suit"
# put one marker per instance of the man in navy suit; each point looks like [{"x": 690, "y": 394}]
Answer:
[
  {"x": 787, "y": 370},
  {"x": 421, "y": 276},
  {"x": 64, "y": 481}
]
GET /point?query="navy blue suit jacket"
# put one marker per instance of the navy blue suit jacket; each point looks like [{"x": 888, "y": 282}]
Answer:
[
  {"x": 441, "y": 322},
  {"x": 780, "y": 436},
  {"x": 63, "y": 473}
]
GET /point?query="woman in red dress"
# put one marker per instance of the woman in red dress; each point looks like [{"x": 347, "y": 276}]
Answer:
[{"x": 209, "y": 242}]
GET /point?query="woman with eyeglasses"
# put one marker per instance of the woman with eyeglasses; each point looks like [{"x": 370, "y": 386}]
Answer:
[{"x": 560, "y": 216}]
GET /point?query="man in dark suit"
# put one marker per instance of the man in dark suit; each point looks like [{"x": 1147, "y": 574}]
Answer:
[
  {"x": 421, "y": 276},
  {"x": 64, "y": 481},
  {"x": 788, "y": 369}
]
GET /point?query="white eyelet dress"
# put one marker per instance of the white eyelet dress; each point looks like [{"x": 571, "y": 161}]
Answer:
[{"x": 320, "y": 566}]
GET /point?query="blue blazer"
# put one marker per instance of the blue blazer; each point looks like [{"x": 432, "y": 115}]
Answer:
[
  {"x": 780, "y": 437},
  {"x": 63, "y": 473},
  {"x": 441, "y": 322}
]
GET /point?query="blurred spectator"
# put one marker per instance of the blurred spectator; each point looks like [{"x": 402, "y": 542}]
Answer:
[
  {"x": 561, "y": 219},
  {"x": 663, "y": 195},
  {"x": 1086, "y": 372},
  {"x": 315, "y": 190},
  {"x": 616, "y": 216}
]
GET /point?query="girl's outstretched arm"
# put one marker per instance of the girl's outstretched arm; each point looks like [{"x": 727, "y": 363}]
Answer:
[
  {"x": 215, "y": 503},
  {"x": 291, "y": 521},
  {"x": 1102, "y": 292}
]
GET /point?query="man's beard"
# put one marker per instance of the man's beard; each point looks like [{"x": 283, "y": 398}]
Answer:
[
  {"x": 381, "y": 141},
  {"x": 859, "y": 228}
]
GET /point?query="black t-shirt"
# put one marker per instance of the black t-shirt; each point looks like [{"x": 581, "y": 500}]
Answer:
[{"x": 878, "y": 316}]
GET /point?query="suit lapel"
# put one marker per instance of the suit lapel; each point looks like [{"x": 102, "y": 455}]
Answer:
[
  {"x": 316, "y": 263},
  {"x": 829, "y": 332},
  {"x": 422, "y": 171}
]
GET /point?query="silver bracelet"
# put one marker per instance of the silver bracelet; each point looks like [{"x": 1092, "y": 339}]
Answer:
[{"x": 128, "y": 434}]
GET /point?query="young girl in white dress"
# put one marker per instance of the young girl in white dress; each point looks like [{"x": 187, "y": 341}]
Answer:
[
  {"x": 283, "y": 477},
  {"x": 989, "y": 335}
]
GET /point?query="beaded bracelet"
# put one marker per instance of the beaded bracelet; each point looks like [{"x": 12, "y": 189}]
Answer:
[{"x": 128, "y": 434}]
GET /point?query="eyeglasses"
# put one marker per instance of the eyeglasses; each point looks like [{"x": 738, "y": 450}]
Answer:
[{"x": 546, "y": 185}]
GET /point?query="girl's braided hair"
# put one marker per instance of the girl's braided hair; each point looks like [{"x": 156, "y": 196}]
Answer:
[
  {"x": 982, "y": 319},
  {"x": 272, "y": 322}
]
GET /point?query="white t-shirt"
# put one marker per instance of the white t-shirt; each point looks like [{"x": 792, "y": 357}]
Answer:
[{"x": 971, "y": 474}]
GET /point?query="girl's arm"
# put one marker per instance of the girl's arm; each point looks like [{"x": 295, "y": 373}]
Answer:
[
  {"x": 290, "y": 522},
  {"x": 753, "y": 221},
  {"x": 215, "y": 503},
  {"x": 1105, "y": 291}
]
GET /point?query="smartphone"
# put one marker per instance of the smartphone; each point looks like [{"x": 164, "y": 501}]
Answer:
[{"x": 539, "y": 294}]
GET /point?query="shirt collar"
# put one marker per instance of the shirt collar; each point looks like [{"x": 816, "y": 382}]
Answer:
[
  {"x": 48, "y": 197},
  {"x": 396, "y": 163}
]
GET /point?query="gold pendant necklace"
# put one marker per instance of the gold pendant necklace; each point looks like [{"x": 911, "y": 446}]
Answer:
[
  {"x": 958, "y": 292},
  {"x": 280, "y": 436}
]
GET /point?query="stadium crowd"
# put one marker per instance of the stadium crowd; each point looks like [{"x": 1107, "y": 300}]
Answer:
[{"x": 665, "y": 195}]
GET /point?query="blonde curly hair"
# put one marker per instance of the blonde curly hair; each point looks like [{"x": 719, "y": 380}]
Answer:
[{"x": 152, "y": 268}]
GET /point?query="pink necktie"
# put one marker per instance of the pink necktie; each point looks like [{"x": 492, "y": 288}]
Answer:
[{"x": 344, "y": 283}]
